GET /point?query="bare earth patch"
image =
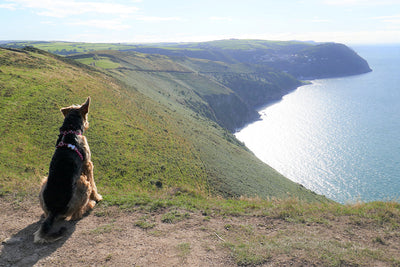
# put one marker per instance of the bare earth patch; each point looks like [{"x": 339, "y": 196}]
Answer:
[{"x": 111, "y": 237}]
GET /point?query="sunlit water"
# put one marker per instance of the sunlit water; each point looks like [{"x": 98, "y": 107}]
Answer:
[{"x": 338, "y": 137}]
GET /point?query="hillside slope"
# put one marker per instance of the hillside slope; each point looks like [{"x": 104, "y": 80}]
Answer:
[
  {"x": 226, "y": 93},
  {"x": 133, "y": 141},
  {"x": 139, "y": 144}
]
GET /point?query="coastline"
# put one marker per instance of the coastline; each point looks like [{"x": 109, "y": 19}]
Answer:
[
  {"x": 303, "y": 81},
  {"x": 259, "y": 108}
]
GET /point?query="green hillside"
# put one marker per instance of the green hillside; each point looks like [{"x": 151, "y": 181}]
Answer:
[
  {"x": 135, "y": 141},
  {"x": 145, "y": 134},
  {"x": 226, "y": 93}
]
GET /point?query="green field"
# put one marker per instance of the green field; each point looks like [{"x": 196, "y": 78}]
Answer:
[
  {"x": 66, "y": 48},
  {"x": 101, "y": 62}
]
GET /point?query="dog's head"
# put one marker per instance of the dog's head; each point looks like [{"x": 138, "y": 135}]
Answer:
[{"x": 81, "y": 110}]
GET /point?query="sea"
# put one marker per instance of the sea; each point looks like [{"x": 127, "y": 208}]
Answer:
[{"x": 339, "y": 137}]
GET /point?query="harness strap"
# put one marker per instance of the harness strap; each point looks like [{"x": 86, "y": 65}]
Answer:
[{"x": 72, "y": 147}]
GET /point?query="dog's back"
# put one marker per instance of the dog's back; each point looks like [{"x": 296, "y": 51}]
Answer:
[{"x": 65, "y": 170}]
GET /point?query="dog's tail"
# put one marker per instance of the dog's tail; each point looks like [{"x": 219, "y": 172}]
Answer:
[{"x": 43, "y": 235}]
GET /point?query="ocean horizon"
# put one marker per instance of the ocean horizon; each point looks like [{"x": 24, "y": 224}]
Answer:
[{"x": 338, "y": 137}]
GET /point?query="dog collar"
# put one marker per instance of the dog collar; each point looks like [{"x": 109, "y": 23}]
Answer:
[
  {"x": 64, "y": 133},
  {"x": 72, "y": 147}
]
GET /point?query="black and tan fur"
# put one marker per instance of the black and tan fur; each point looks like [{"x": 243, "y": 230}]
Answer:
[{"x": 69, "y": 191}]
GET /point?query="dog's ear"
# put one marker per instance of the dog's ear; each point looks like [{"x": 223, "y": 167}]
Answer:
[
  {"x": 65, "y": 111},
  {"x": 85, "y": 107}
]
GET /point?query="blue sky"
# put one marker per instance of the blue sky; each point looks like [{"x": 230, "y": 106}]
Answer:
[{"x": 345, "y": 21}]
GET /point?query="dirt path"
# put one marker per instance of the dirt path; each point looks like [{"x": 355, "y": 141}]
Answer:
[{"x": 109, "y": 237}]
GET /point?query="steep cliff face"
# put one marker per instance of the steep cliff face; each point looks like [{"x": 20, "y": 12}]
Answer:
[
  {"x": 250, "y": 91},
  {"x": 258, "y": 88},
  {"x": 230, "y": 111}
]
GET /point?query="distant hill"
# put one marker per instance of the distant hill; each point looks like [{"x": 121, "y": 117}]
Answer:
[
  {"x": 150, "y": 127},
  {"x": 304, "y": 60}
]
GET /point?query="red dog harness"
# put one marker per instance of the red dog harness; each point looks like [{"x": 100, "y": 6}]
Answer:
[{"x": 70, "y": 146}]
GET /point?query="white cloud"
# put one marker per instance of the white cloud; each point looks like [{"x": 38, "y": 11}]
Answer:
[
  {"x": 387, "y": 17},
  {"x": 318, "y": 20},
  {"x": 103, "y": 24},
  {"x": 8, "y": 6},
  {"x": 391, "y": 22},
  {"x": 157, "y": 19},
  {"x": 227, "y": 19},
  {"x": 62, "y": 8},
  {"x": 393, "y": 18},
  {"x": 48, "y": 22},
  {"x": 360, "y": 2}
]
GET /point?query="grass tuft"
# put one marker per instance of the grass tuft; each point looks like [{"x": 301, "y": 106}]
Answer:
[{"x": 174, "y": 216}]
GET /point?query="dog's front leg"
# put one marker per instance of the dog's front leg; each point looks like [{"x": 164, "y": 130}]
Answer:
[{"x": 89, "y": 173}]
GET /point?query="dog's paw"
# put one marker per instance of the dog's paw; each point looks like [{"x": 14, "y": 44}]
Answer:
[
  {"x": 98, "y": 197},
  {"x": 37, "y": 238},
  {"x": 91, "y": 205}
]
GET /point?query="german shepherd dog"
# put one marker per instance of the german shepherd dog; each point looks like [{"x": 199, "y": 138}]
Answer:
[{"x": 69, "y": 191}]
